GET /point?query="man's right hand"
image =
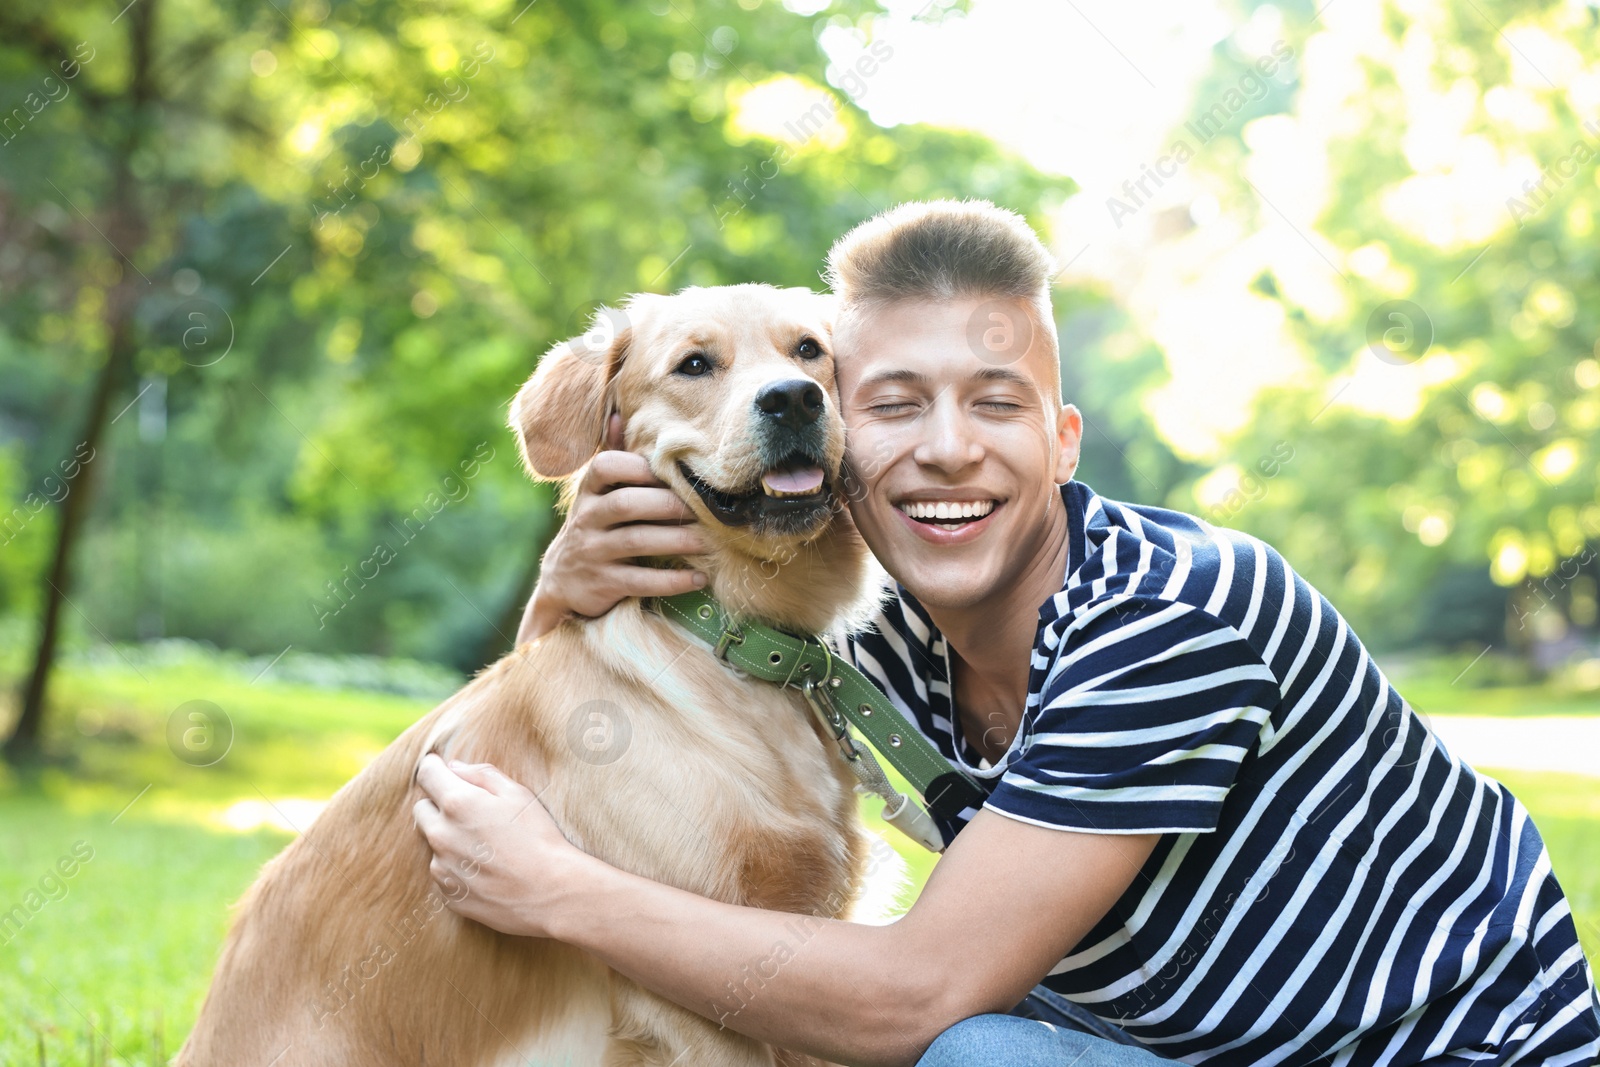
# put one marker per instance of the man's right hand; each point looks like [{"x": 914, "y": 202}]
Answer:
[{"x": 621, "y": 512}]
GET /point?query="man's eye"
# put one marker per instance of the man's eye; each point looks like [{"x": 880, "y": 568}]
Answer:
[
  {"x": 694, "y": 365},
  {"x": 1002, "y": 405},
  {"x": 893, "y": 407},
  {"x": 808, "y": 348}
]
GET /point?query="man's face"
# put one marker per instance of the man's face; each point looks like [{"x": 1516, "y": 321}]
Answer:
[{"x": 955, "y": 460}]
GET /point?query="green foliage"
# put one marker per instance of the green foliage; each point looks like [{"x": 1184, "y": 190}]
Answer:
[
  {"x": 1106, "y": 371},
  {"x": 75, "y": 984},
  {"x": 24, "y": 528},
  {"x": 1495, "y": 472},
  {"x": 365, "y": 223}
]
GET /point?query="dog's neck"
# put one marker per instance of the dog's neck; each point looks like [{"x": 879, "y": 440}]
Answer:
[{"x": 809, "y": 589}]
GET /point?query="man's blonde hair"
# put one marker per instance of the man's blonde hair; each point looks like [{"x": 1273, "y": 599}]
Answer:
[{"x": 942, "y": 250}]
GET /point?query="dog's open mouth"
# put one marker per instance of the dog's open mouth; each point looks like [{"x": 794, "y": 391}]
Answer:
[{"x": 793, "y": 491}]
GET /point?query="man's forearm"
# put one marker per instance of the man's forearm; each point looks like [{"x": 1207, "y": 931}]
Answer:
[{"x": 838, "y": 990}]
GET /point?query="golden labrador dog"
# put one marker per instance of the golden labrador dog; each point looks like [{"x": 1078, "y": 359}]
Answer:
[{"x": 658, "y": 758}]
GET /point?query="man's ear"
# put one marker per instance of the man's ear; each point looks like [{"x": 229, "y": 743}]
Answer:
[
  {"x": 1069, "y": 441},
  {"x": 559, "y": 415}
]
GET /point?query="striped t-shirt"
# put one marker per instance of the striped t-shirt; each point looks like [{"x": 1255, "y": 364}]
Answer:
[{"x": 1331, "y": 885}]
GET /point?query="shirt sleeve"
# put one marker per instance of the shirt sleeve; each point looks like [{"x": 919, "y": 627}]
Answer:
[{"x": 1148, "y": 708}]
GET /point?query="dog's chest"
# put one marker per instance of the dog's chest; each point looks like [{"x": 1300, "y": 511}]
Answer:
[{"x": 710, "y": 780}]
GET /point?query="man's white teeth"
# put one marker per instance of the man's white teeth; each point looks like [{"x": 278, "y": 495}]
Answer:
[{"x": 947, "y": 509}]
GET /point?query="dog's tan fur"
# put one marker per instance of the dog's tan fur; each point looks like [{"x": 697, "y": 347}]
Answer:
[{"x": 343, "y": 952}]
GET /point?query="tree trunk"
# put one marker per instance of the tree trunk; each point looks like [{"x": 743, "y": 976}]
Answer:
[
  {"x": 24, "y": 739},
  {"x": 126, "y": 231}
]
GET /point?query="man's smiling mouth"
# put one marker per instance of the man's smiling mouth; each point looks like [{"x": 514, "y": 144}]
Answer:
[{"x": 947, "y": 514}]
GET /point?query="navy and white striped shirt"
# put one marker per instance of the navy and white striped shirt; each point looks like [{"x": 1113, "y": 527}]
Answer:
[{"x": 1331, "y": 885}]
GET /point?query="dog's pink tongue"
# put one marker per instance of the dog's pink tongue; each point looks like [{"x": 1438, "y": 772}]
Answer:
[{"x": 793, "y": 483}]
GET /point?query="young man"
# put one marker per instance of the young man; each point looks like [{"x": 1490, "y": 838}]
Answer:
[{"x": 1211, "y": 821}]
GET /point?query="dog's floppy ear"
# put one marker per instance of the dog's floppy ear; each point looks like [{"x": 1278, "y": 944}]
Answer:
[{"x": 559, "y": 415}]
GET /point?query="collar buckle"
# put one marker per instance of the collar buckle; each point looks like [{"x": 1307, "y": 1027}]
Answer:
[
  {"x": 825, "y": 709},
  {"x": 731, "y": 635}
]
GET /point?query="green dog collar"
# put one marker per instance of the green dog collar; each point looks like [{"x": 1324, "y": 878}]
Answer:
[{"x": 837, "y": 692}]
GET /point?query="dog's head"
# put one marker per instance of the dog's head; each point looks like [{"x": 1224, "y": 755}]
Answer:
[{"x": 728, "y": 391}]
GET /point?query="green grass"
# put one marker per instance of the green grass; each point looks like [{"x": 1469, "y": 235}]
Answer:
[
  {"x": 1566, "y": 808},
  {"x": 113, "y": 970},
  {"x": 1490, "y": 684}
]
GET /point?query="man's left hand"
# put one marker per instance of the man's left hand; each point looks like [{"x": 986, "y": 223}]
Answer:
[{"x": 498, "y": 856}]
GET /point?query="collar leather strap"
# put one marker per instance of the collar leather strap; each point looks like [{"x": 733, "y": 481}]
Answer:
[{"x": 831, "y": 685}]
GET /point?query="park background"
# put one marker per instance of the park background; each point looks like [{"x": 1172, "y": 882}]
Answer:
[{"x": 270, "y": 273}]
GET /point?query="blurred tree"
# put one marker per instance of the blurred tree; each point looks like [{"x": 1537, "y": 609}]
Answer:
[
  {"x": 1449, "y": 418},
  {"x": 120, "y": 122},
  {"x": 1107, "y": 370}
]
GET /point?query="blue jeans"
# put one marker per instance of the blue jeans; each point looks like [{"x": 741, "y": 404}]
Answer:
[{"x": 1045, "y": 1030}]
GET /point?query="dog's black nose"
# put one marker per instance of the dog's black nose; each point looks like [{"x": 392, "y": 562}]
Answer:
[{"x": 796, "y": 403}]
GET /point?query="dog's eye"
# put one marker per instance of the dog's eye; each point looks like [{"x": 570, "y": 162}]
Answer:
[
  {"x": 694, "y": 365},
  {"x": 808, "y": 348}
]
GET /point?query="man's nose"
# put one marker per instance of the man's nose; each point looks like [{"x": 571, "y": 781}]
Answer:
[
  {"x": 948, "y": 441},
  {"x": 795, "y": 404}
]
